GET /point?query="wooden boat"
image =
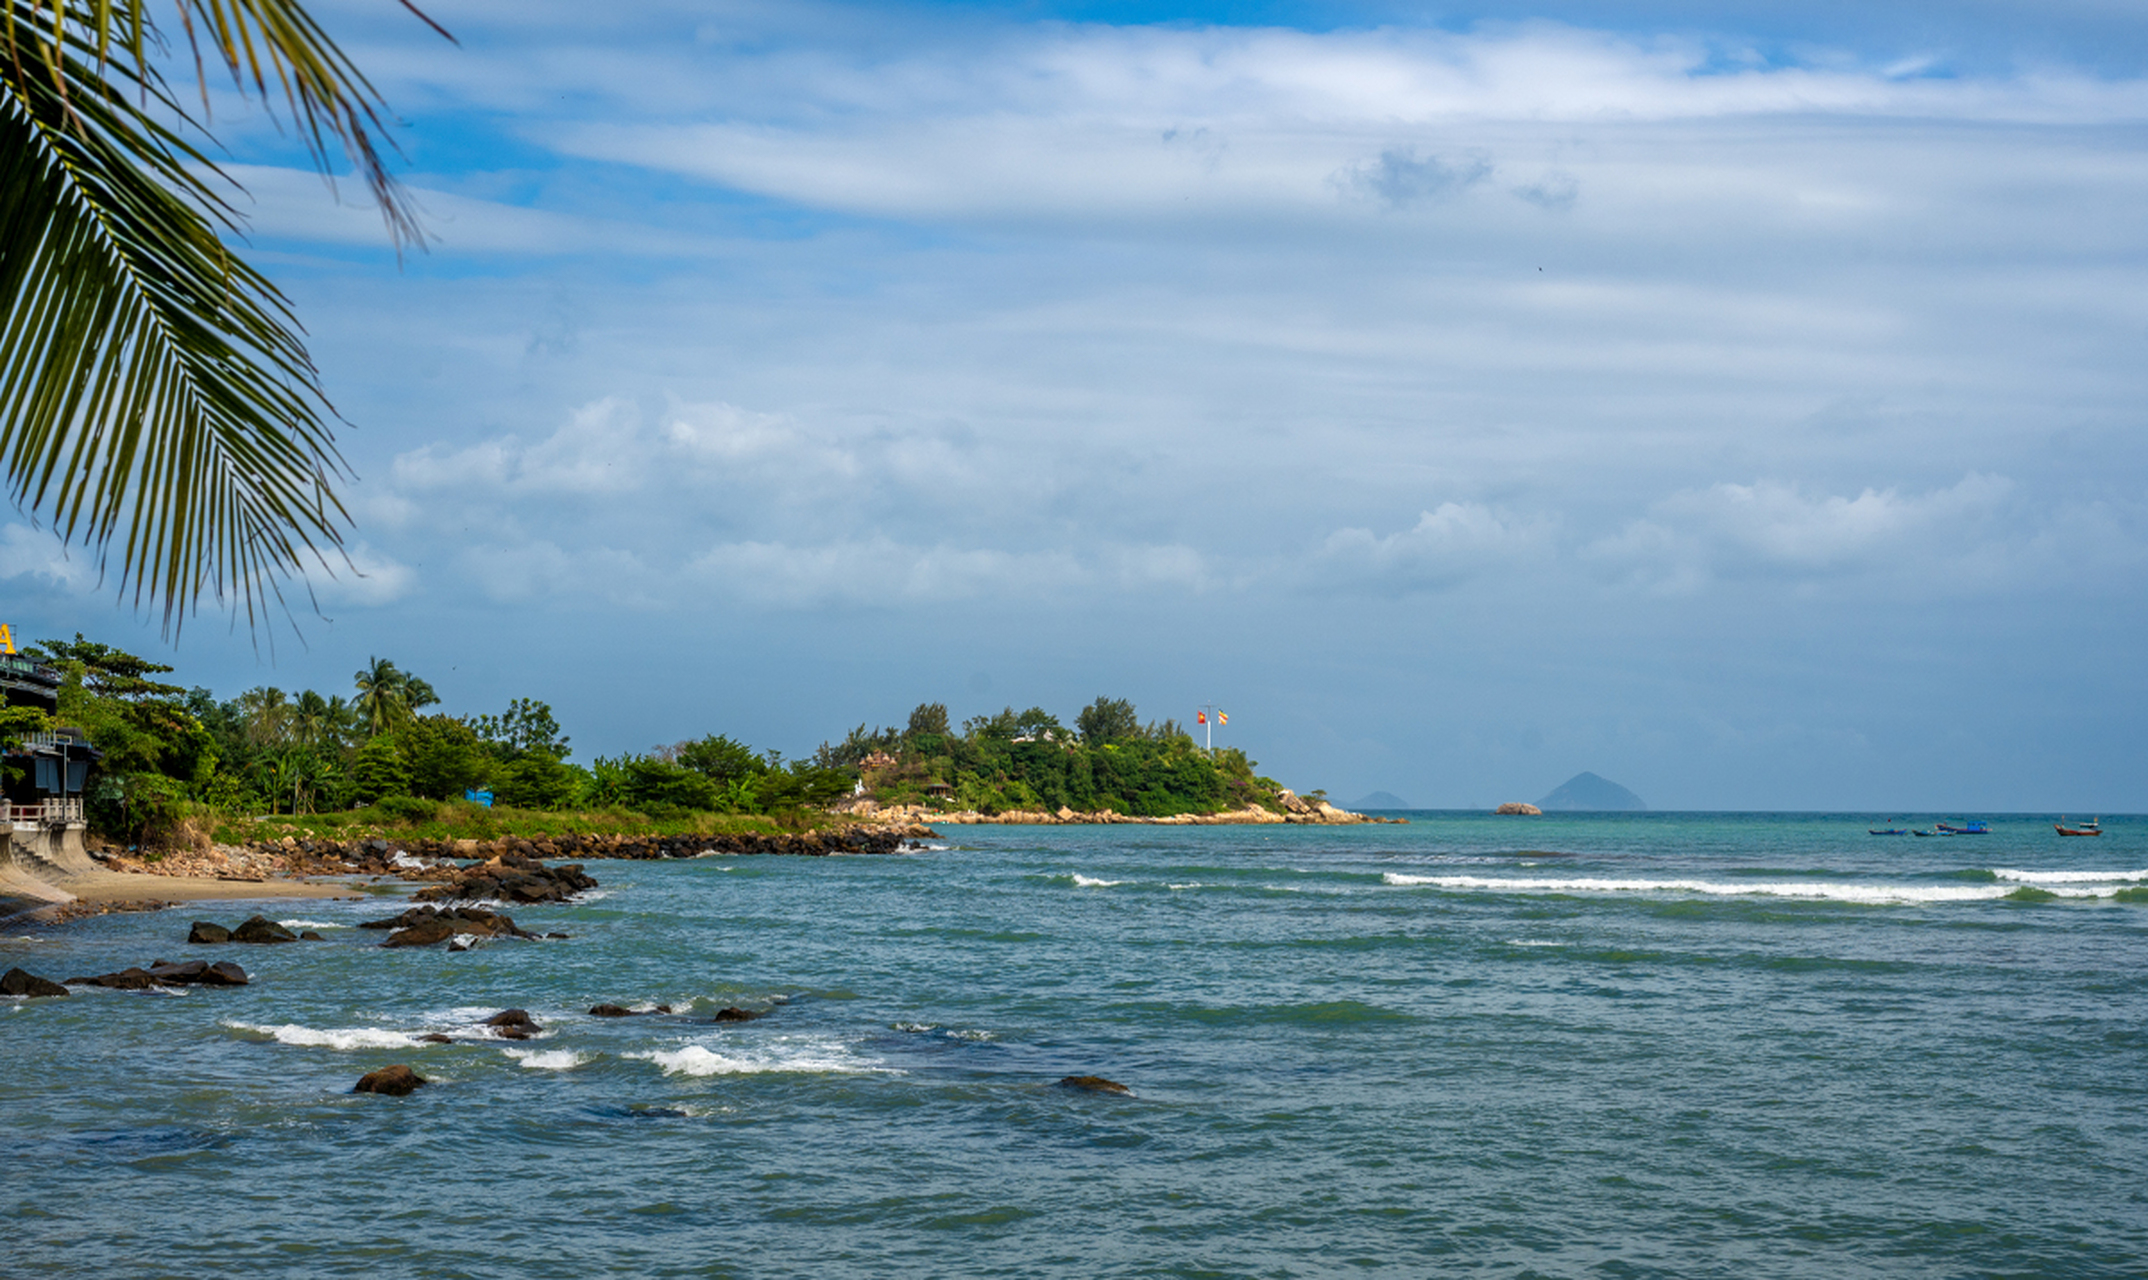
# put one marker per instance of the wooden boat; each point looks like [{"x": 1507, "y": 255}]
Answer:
[
  {"x": 1891, "y": 831},
  {"x": 1966, "y": 829},
  {"x": 2092, "y": 827}
]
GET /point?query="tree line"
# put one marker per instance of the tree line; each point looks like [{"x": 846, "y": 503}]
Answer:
[{"x": 168, "y": 750}]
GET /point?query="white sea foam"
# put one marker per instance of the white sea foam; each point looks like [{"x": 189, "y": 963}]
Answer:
[
  {"x": 1876, "y": 894},
  {"x": 1084, "y": 882},
  {"x": 309, "y": 924},
  {"x": 1533, "y": 942},
  {"x": 2119, "y": 878},
  {"x": 1191, "y": 884},
  {"x": 547, "y": 1059},
  {"x": 330, "y": 1038},
  {"x": 590, "y": 895},
  {"x": 785, "y": 1054}
]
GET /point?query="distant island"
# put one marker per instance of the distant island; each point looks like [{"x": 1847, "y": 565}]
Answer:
[
  {"x": 1383, "y": 800},
  {"x": 1588, "y": 792}
]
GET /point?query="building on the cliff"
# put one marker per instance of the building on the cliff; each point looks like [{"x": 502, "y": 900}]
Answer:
[{"x": 45, "y": 773}]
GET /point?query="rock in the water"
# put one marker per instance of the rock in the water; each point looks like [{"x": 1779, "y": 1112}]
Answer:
[
  {"x": 513, "y": 1024},
  {"x": 1094, "y": 1084},
  {"x": 133, "y": 978},
  {"x": 735, "y": 1014},
  {"x": 424, "y": 933},
  {"x": 308, "y": 935},
  {"x": 207, "y": 934},
  {"x": 396, "y": 1081},
  {"x": 424, "y": 926},
  {"x": 224, "y": 974},
  {"x": 610, "y": 1011},
  {"x": 262, "y": 929},
  {"x": 434, "y": 1037},
  {"x": 17, "y": 982},
  {"x": 1513, "y": 807},
  {"x": 192, "y": 973}
]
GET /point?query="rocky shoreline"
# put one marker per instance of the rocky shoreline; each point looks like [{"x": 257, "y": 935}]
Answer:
[{"x": 1295, "y": 809}]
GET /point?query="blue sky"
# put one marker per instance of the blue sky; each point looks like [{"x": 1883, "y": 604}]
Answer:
[{"x": 1741, "y": 402}]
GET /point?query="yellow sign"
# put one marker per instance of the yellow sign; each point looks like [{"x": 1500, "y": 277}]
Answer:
[{"x": 7, "y": 639}]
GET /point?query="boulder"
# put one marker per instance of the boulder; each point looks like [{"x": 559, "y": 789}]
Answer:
[
  {"x": 308, "y": 935},
  {"x": 434, "y": 1037},
  {"x": 396, "y": 1081},
  {"x": 1094, "y": 1084},
  {"x": 16, "y": 982},
  {"x": 610, "y": 1011},
  {"x": 198, "y": 973},
  {"x": 513, "y": 1024},
  {"x": 128, "y": 979},
  {"x": 1516, "y": 807},
  {"x": 207, "y": 934},
  {"x": 423, "y": 932},
  {"x": 261, "y": 929},
  {"x": 224, "y": 974},
  {"x": 735, "y": 1014}
]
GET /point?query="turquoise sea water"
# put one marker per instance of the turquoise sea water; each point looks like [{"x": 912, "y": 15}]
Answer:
[{"x": 1606, "y": 1045}]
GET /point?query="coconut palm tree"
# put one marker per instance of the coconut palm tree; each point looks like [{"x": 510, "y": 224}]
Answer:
[
  {"x": 380, "y": 695},
  {"x": 157, "y": 405}
]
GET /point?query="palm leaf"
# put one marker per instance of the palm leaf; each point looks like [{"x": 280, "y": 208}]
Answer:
[{"x": 157, "y": 404}]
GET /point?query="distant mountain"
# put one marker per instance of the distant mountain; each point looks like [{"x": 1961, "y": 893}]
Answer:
[
  {"x": 1382, "y": 800},
  {"x": 1587, "y": 791}
]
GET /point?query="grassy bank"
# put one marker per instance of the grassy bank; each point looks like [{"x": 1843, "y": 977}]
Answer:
[{"x": 459, "y": 820}]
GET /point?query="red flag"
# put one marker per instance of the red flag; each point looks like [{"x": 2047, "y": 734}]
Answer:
[{"x": 1200, "y": 717}]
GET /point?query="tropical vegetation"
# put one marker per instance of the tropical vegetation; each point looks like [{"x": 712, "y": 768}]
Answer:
[{"x": 383, "y": 754}]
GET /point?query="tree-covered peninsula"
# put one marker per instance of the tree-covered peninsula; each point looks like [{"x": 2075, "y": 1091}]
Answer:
[{"x": 174, "y": 763}]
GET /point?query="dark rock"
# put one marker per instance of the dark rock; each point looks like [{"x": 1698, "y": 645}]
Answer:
[
  {"x": 179, "y": 975},
  {"x": 396, "y": 1081},
  {"x": 16, "y": 982},
  {"x": 735, "y": 1014},
  {"x": 513, "y": 1024},
  {"x": 129, "y": 979},
  {"x": 207, "y": 934},
  {"x": 263, "y": 930},
  {"x": 308, "y": 935},
  {"x": 422, "y": 933},
  {"x": 557, "y": 937},
  {"x": 1095, "y": 1084},
  {"x": 610, "y": 1011},
  {"x": 512, "y": 876},
  {"x": 224, "y": 974},
  {"x": 434, "y": 1037}
]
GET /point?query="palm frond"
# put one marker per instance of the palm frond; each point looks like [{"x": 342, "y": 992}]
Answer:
[{"x": 156, "y": 402}]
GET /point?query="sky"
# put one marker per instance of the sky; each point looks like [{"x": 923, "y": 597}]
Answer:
[{"x": 1741, "y": 402}]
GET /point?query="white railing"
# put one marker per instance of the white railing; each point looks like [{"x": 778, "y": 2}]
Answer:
[
  {"x": 45, "y": 813},
  {"x": 53, "y": 738}
]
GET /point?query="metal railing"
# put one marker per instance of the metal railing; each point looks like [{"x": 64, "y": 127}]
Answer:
[
  {"x": 45, "y": 813},
  {"x": 55, "y": 738}
]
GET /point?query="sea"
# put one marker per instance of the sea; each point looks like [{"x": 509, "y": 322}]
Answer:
[{"x": 1618, "y": 1045}]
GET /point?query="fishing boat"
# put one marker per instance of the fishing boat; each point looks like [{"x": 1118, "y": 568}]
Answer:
[
  {"x": 2092, "y": 827},
  {"x": 1922, "y": 832},
  {"x": 1890, "y": 831},
  {"x": 1966, "y": 829}
]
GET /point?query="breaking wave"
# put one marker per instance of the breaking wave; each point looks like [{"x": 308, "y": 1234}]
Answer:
[
  {"x": 547, "y": 1059},
  {"x": 1875, "y": 894},
  {"x": 785, "y": 1055},
  {"x": 331, "y": 1038}
]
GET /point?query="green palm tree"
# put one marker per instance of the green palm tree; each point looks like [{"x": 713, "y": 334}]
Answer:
[
  {"x": 157, "y": 405},
  {"x": 383, "y": 699}
]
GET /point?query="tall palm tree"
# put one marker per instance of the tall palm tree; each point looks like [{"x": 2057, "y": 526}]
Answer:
[
  {"x": 383, "y": 695},
  {"x": 157, "y": 405}
]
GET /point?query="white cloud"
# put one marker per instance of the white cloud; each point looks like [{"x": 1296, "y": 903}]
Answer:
[
  {"x": 599, "y": 450},
  {"x": 1775, "y": 528},
  {"x": 1449, "y": 544},
  {"x": 371, "y": 579},
  {"x": 27, "y": 552}
]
